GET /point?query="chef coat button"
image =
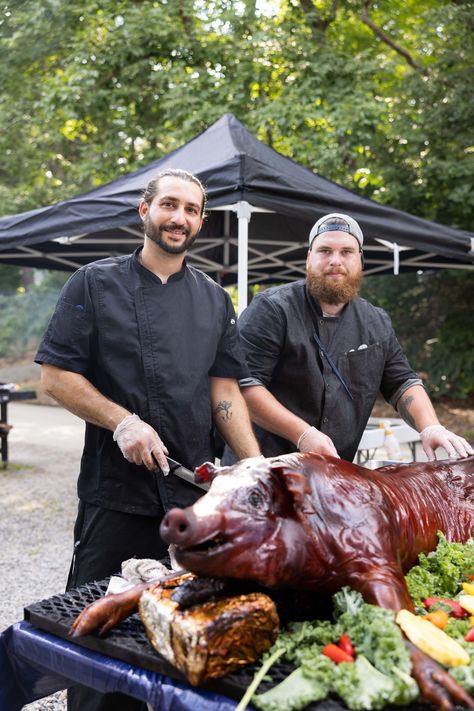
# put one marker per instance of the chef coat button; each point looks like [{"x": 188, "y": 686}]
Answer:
[
  {"x": 325, "y": 420},
  {"x": 327, "y": 385},
  {"x": 321, "y": 321}
]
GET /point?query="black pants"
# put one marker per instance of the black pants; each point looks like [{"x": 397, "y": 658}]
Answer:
[{"x": 102, "y": 540}]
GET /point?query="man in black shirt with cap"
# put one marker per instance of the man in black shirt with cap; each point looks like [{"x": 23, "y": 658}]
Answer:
[{"x": 319, "y": 355}]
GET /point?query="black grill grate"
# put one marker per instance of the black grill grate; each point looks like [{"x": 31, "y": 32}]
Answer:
[{"x": 129, "y": 643}]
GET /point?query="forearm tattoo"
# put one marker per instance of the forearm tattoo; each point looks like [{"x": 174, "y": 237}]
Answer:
[
  {"x": 225, "y": 408},
  {"x": 403, "y": 408}
]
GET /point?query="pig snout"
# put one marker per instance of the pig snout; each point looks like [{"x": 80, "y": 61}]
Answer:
[{"x": 178, "y": 526}]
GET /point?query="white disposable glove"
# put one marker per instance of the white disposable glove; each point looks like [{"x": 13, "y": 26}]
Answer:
[
  {"x": 438, "y": 436},
  {"x": 312, "y": 440},
  {"x": 140, "y": 444}
]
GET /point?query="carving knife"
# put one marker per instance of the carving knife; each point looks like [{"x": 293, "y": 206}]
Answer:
[{"x": 186, "y": 474}]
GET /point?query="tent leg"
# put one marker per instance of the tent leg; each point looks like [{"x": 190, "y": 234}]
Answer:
[
  {"x": 244, "y": 213},
  {"x": 396, "y": 258}
]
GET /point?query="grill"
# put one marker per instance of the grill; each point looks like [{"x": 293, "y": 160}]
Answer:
[{"x": 129, "y": 643}]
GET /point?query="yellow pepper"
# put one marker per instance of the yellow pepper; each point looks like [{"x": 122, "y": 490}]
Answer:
[
  {"x": 432, "y": 640},
  {"x": 468, "y": 588},
  {"x": 467, "y": 602}
]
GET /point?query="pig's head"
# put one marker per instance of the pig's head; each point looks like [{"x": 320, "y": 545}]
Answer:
[{"x": 250, "y": 524}]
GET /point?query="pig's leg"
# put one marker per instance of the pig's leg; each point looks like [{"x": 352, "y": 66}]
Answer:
[
  {"x": 108, "y": 611},
  {"x": 436, "y": 685},
  {"x": 381, "y": 583}
]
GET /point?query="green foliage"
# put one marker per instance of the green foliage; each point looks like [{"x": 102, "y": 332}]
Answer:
[
  {"x": 376, "y": 96},
  {"x": 24, "y": 317},
  {"x": 10, "y": 277},
  {"x": 432, "y": 316}
]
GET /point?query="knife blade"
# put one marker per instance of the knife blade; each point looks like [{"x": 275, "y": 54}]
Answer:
[{"x": 186, "y": 474}]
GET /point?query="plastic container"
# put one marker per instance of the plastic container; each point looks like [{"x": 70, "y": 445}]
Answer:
[{"x": 392, "y": 446}]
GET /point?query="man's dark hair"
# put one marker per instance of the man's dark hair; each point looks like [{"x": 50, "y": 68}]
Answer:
[{"x": 152, "y": 188}]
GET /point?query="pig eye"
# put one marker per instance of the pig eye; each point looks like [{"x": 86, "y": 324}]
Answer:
[{"x": 255, "y": 499}]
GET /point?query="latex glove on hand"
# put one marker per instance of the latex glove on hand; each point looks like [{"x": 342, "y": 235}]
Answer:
[
  {"x": 140, "y": 444},
  {"x": 312, "y": 440},
  {"x": 438, "y": 436}
]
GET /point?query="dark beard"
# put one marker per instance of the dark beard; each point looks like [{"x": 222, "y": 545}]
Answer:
[
  {"x": 156, "y": 235},
  {"x": 326, "y": 292}
]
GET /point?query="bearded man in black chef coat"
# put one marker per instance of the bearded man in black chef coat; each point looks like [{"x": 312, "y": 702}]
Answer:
[{"x": 145, "y": 349}]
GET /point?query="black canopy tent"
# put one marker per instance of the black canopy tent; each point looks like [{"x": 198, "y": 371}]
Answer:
[{"x": 261, "y": 208}]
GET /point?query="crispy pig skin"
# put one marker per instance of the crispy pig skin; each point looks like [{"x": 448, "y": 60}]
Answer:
[{"x": 212, "y": 639}]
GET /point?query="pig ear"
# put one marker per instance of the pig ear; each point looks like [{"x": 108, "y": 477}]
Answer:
[
  {"x": 206, "y": 472},
  {"x": 295, "y": 483}
]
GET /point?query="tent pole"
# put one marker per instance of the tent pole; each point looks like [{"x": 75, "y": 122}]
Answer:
[
  {"x": 244, "y": 213},
  {"x": 396, "y": 259},
  {"x": 226, "y": 249}
]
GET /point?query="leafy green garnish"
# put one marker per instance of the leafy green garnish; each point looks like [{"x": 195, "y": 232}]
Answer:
[
  {"x": 296, "y": 691},
  {"x": 380, "y": 648},
  {"x": 381, "y": 672},
  {"x": 458, "y": 629},
  {"x": 373, "y": 631},
  {"x": 440, "y": 573},
  {"x": 365, "y": 687}
]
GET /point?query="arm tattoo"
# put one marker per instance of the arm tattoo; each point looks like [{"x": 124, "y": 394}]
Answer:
[
  {"x": 403, "y": 408},
  {"x": 225, "y": 407}
]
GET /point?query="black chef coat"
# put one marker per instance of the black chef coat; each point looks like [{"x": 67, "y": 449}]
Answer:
[
  {"x": 150, "y": 347},
  {"x": 277, "y": 331}
]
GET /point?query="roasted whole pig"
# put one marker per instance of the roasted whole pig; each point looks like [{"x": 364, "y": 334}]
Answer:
[
  {"x": 307, "y": 521},
  {"x": 316, "y": 523}
]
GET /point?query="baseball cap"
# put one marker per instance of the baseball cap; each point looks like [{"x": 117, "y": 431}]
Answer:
[{"x": 326, "y": 224}]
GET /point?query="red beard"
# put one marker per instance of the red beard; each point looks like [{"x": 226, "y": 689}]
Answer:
[{"x": 328, "y": 292}]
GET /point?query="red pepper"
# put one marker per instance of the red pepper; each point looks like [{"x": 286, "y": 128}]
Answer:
[
  {"x": 336, "y": 654},
  {"x": 346, "y": 644},
  {"x": 457, "y": 610},
  {"x": 470, "y": 635}
]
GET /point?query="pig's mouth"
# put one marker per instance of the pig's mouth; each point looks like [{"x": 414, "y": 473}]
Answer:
[{"x": 207, "y": 546}]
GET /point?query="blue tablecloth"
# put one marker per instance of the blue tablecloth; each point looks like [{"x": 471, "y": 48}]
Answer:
[{"x": 34, "y": 664}]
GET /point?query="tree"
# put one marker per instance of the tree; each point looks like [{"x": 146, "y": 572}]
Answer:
[
  {"x": 432, "y": 315},
  {"x": 10, "y": 277},
  {"x": 374, "y": 95},
  {"x": 377, "y": 96}
]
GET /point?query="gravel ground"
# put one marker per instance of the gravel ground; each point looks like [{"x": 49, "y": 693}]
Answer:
[{"x": 37, "y": 511}]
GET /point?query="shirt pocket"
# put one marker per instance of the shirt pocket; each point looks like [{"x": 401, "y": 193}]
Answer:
[
  {"x": 364, "y": 369},
  {"x": 67, "y": 324}
]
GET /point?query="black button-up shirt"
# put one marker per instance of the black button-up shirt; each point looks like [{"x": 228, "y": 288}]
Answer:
[
  {"x": 150, "y": 347},
  {"x": 277, "y": 332}
]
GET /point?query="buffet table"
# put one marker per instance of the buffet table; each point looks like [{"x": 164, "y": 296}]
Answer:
[
  {"x": 374, "y": 437},
  {"x": 35, "y": 664}
]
